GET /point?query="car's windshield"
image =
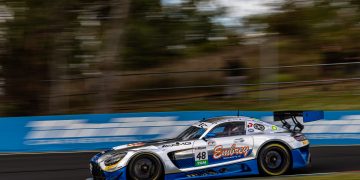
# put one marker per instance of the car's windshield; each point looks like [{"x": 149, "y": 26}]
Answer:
[{"x": 191, "y": 133}]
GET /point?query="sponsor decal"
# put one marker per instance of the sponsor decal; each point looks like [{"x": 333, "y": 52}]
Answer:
[
  {"x": 251, "y": 130},
  {"x": 199, "y": 148},
  {"x": 211, "y": 143},
  {"x": 136, "y": 144},
  {"x": 250, "y": 125},
  {"x": 220, "y": 151},
  {"x": 176, "y": 144},
  {"x": 203, "y": 125},
  {"x": 259, "y": 127},
  {"x": 274, "y": 128}
]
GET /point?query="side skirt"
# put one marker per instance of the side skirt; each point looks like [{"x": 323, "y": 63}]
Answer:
[{"x": 245, "y": 168}]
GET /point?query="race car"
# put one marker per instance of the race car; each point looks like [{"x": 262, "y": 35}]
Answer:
[{"x": 213, "y": 148}]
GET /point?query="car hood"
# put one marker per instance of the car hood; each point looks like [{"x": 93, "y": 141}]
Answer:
[{"x": 159, "y": 142}]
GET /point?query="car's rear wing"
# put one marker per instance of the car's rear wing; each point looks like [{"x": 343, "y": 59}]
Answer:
[{"x": 307, "y": 116}]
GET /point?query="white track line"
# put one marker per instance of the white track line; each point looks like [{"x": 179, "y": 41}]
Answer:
[
  {"x": 56, "y": 152},
  {"x": 296, "y": 175},
  {"x": 343, "y": 145}
]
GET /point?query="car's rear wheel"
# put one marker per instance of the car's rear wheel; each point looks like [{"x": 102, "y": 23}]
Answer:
[
  {"x": 274, "y": 159},
  {"x": 145, "y": 167}
]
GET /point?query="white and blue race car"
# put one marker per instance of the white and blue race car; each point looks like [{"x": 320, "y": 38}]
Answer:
[{"x": 213, "y": 148}]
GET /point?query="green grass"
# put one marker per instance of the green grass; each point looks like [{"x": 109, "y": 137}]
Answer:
[{"x": 332, "y": 176}]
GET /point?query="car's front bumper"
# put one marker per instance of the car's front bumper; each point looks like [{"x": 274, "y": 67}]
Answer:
[{"x": 99, "y": 174}]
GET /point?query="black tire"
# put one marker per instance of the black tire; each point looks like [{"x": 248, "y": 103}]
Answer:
[
  {"x": 274, "y": 159},
  {"x": 145, "y": 167}
]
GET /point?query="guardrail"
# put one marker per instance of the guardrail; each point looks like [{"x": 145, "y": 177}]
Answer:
[{"x": 101, "y": 131}]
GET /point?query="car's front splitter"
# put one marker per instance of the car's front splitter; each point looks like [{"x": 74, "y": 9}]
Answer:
[
  {"x": 116, "y": 175},
  {"x": 238, "y": 169}
]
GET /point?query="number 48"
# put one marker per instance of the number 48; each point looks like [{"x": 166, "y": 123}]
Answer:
[{"x": 201, "y": 155}]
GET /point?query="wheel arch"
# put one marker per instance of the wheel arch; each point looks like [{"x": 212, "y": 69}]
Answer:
[
  {"x": 145, "y": 152},
  {"x": 131, "y": 158},
  {"x": 277, "y": 141},
  {"x": 274, "y": 141}
]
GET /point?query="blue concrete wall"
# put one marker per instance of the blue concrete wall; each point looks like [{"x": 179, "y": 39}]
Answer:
[{"x": 101, "y": 131}]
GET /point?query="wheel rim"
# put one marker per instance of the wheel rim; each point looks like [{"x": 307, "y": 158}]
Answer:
[
  {"x": 144, "y": 168},
  {"x": 275, "y": 160}
]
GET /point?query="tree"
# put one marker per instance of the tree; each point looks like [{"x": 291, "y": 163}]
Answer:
[
  {"x": 38, "y": 32},
  {"x": 157, "y": 34},
  {"x": 314, "y": 23}
]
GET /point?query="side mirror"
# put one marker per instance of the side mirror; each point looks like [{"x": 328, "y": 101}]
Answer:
[{"x": 209, "y": 135}]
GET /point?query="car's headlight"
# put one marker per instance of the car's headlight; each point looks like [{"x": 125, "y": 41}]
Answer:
[
  {"x": 300, "y": 137},
  {"x": 114, "y": 159},
  {"x": 111, "y": 158}
]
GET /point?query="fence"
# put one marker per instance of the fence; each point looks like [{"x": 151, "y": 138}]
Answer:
[{"x": 153, "y": 92}]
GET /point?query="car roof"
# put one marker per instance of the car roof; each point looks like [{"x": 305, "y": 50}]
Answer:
[{"x": 222, "y": 119}]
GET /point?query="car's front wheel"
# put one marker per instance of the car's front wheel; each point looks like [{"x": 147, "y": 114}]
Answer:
[
  {"x": 274, "y": 159},
  {"x": 145, "y": 167}
]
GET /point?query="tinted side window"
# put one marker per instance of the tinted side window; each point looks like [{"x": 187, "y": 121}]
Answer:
[
  {"x": 238, "y": 128},
  {"x": 219, "y": 130},
  {"x": 229, "y": 129}
]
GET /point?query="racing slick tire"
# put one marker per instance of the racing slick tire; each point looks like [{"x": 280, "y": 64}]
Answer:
[
  {"x": 274, "y": 159},
  {"x": 145, "y": 166}
]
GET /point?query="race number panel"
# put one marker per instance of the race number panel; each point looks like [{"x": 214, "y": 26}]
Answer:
[{"x": 201, "y": 156}]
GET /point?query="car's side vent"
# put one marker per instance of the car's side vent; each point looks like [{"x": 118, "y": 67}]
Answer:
[{"x": 183, "y": 158}]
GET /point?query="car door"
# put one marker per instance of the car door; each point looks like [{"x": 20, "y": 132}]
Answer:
[{"x": 229, "y": 143}]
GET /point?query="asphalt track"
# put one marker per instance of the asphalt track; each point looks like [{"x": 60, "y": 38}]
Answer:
[{"x": 68, "y": 166}]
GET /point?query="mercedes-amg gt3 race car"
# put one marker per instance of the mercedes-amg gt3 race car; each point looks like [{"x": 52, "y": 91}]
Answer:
[{"x": 213, "y": 148}]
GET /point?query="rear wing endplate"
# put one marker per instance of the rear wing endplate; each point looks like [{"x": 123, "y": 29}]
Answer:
[{"x": 308, "y": 116}]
